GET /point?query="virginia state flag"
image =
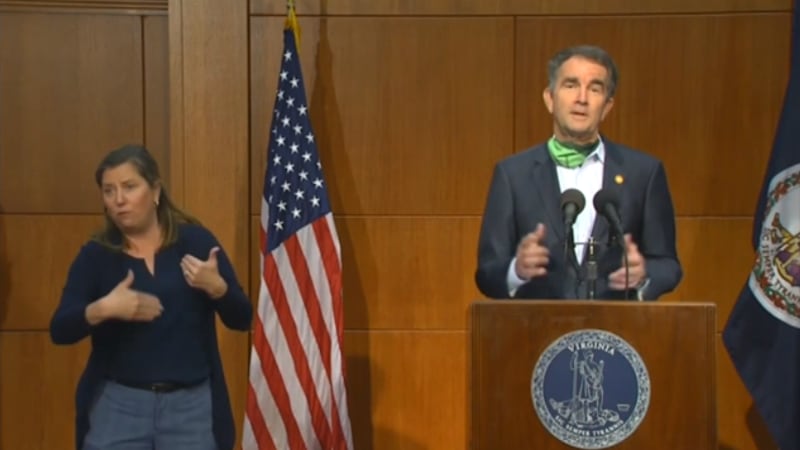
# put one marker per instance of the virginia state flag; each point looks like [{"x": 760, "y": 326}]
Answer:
[{"x": 762, "y": 335}]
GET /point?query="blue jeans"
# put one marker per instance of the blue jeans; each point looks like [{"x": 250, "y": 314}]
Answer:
[{"x": 124, "y": 418}]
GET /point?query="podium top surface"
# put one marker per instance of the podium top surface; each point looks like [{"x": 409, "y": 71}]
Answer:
[{"x": 491, "y": 303}]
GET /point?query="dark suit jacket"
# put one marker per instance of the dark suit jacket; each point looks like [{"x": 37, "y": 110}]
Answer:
[{"x": 525, "y": 191}]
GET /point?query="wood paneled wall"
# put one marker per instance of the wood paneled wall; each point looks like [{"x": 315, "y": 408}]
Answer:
[
  {"x": 412, "y": 103},
  {"x": 76, "y": 80},
  {"x": 209, "y": 143}
]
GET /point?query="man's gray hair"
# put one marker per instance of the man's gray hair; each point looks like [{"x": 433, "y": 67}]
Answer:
[{"x": 589, "y": 52}]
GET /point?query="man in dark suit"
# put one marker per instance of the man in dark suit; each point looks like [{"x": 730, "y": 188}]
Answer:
[{"x": 525, "y": 250}]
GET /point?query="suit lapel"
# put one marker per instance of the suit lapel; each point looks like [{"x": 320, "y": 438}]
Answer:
[
  {"x": 612, "y": 167},
  {"x": 546, "y": 180}
]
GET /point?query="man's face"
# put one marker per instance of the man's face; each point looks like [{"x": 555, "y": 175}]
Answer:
[{"x": 579, "y": 100}]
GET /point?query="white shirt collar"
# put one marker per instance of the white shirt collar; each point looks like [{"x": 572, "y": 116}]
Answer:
[{"x": 599, "y": 153}]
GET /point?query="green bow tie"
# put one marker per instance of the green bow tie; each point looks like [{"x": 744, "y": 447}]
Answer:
[{"x": 570, "y": 155}]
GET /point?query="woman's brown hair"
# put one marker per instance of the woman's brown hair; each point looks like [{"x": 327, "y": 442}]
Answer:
[{"x": 170, "y": 217}]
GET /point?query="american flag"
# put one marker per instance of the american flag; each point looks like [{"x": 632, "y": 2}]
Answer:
[{"x": 296, "y": 397}]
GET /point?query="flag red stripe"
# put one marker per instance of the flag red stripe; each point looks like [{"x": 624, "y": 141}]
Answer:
[
  {"x": 274, "y": 379},
  {"x": 271, "y": 373},
  {"x": 308, "y": 293},
  {"x": 257, "y": 424},
  {"x": 320, "y": 328},
  {"x": 260, "y": 431},
  {"x": 334, "y": 274},
  {"x": 330, "y": 260},
  {"x": 302, "y": 370}
]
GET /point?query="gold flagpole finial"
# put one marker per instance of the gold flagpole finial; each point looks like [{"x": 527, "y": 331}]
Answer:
[{"x": 291, "y": 22}]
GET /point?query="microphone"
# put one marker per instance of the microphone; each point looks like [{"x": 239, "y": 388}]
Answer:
[
  {"x": 572, "y": 203},
  {"x": 606, "y": 202}
]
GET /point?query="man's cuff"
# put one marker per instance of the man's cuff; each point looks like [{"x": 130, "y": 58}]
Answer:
[
  {"x": 642, "y": 288},
  {"x": 513, "y": 282}
]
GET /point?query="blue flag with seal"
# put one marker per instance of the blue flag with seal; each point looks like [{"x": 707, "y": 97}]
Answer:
[{"x": 762, "y": 335}]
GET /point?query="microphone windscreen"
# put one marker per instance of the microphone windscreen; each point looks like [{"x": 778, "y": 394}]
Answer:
[
  {"x": 605, "y": 197},
  {"x": 573, "y": 196}
]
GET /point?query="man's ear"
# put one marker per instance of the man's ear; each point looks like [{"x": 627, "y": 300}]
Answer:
[
  {"x": 547, "y": 96},
  {"x": 607, "y": 108}
]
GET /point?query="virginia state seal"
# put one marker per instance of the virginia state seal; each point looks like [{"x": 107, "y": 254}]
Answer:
[
  {"x": 775, "y": 280},
  {"x": 590, "y": 389}
]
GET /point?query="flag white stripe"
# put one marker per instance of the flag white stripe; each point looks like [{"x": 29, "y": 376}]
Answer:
[
  {"x": 323, "y": 291},
  {"x": 283, "y": 359},
  {"x": 334, "y": 236},
  {"x": 267, "y": 407},
  {"x": 316, "y": 268},
  {"x": 248, "y": 437},
  {"x": 300, "y": 316}
]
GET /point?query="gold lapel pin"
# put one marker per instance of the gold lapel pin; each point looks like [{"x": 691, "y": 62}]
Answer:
[{"x": 619, "y": 179}]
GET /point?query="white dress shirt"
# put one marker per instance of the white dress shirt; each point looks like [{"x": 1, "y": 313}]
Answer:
[{"x": 587, "y": 178}]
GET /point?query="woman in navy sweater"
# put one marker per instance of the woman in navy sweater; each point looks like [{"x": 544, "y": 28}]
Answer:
[{"x": 146, "y": 290}]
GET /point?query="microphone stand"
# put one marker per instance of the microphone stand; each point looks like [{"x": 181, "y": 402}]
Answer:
[
  {"x": 591, "y": 268},
  {"x": 570, "y": 257},
  {"x": 624, "y": 247},
  {"x": 569, "y": 250}
]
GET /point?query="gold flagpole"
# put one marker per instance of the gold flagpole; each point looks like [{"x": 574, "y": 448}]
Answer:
[{"x": 291, "y": 22}]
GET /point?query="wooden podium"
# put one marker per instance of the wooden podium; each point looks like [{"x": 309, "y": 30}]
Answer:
[{"x": 552, "y": 352}]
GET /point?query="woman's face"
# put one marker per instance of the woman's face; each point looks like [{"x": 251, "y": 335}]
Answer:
[{"x": 129, "y": 199}]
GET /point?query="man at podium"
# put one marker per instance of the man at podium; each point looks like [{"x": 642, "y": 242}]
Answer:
[{"x": 578, "y": 216}]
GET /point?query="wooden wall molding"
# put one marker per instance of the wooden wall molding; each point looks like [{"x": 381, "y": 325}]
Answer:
[
  {"x": 129, "y": 7},
  {"x": 209, "y": 144}
]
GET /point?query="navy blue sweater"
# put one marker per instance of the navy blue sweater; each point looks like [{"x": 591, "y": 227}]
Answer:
[{"x": 178, "y": 346}]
